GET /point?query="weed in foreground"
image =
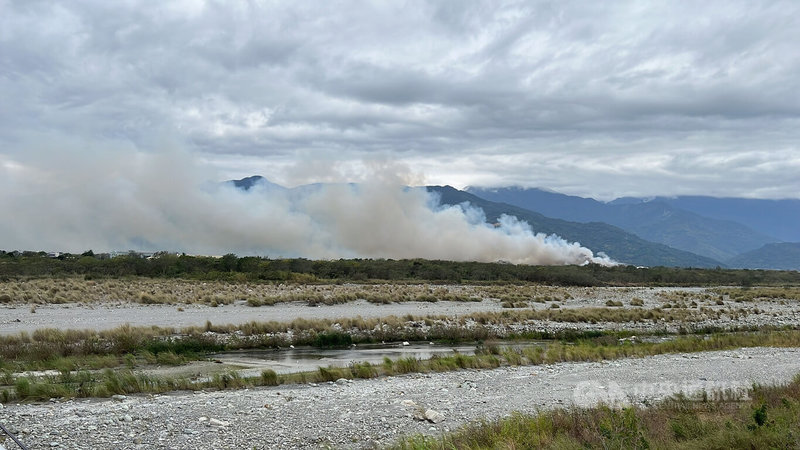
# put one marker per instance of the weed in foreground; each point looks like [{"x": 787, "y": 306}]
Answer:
[{"x": 770, "y": 419}]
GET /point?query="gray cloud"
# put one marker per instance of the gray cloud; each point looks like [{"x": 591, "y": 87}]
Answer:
[{"x": 592, "y": 99}]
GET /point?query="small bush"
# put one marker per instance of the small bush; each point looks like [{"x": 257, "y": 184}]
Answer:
[
  {"x": 333, "y": 339},
  {"x": 23, "y": 387},
  {"x": 407, "y": 365},
  {"x": 363, "y": 370},
  {"x": 228, "y": 380},
  {"x": 329, "y": 373},
  {"x": 388, "y": 365},
  {"x": 760, "y": 415},
  {"x": 269, "y": 377},
  {"x": 169, "y": 358}
]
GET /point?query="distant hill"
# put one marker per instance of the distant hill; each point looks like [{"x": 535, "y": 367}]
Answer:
[
  {"x": 777, "y": 218},
  {"x": 782, "y": 256},
  {"x": 654, "y": 220},
  {"x": 599, "y": 237},
  {"x": 256, "y": 180},
  {"x": 620, "y": 245}
]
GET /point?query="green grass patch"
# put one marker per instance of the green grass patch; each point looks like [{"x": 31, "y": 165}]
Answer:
[
  {"x": 333, "y": 339},
  {"x": 770, "y": 418},
  {"x": 82, "y": 383}
]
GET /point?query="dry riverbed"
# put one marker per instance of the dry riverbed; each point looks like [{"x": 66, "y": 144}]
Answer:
[
  {"x": 702, "y": 305},
  {"x": 365, "y": 413}
]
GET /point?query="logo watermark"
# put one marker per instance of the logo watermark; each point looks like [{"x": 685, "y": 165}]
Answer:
[{"x": 592, "y": 392}]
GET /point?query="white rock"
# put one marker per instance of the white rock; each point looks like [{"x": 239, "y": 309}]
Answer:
[
  {"x": 409, "y": 403},
  {"x": 218, "y": 423},
  {"x": 119, "y": 397},
  {"x": 433, "y": 416},
  {"x": 405, "y": 343}
]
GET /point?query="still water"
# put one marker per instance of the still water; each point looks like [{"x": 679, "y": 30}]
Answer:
[{"x": 308, "y": 358}]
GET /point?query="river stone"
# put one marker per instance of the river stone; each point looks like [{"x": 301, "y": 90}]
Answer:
[
  {"x": 433, "y": 416},
  {"x": 218, "y": 423}
]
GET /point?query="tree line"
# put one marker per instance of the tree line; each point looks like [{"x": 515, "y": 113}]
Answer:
[{"x": 233, "y": 268}]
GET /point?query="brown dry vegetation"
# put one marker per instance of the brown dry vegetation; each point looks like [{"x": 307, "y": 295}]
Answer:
[
  {"x": 786, "y": 293},
  {"x": 160, "y": 291}
]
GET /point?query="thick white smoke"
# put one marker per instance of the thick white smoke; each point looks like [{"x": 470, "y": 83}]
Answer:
[{"x": 157, "y": 202}]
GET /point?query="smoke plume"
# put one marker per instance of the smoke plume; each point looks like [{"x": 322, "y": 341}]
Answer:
[{"x": 164, "y": 202}]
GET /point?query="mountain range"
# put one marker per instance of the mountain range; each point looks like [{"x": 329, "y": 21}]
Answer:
[
  {"x": 656, "y": 220},
  {"x": 661, "y": 231}
]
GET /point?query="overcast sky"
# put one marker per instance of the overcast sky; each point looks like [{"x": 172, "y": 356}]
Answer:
[{"x": 600, "y": 99}]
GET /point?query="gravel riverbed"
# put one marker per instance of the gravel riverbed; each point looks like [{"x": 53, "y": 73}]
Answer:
[
  {"x": 374, "y": 412},
  {"x": 15, "y": 318}
]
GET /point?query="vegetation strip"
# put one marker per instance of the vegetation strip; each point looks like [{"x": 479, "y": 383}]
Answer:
[
  {"x": 84, "y": 383},
  {"x": 768, "y": 417},
  {"x": 76, "y": 349},
  {"x": 250, "y": 268},
  {"x": 181, "y": 292}
]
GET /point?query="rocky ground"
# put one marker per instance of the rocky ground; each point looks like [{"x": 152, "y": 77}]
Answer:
[
  {"x": 14, "y": 319},
  {"x": 366, "y": 413},
  {"x": 20, "y": 317}
]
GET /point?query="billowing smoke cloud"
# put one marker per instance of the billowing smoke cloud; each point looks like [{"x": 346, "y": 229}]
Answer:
[{"x": 164, "y": 202}]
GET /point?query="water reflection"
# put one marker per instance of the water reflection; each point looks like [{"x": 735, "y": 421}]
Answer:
[{"x": 309, "y": 358}]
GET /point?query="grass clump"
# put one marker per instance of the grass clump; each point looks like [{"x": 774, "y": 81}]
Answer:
[
  {"x": 363, "y": 370},
  {"x": 770, "y": 418},
  {"x": 269, "y": 378},
  {"x": 332, "y": 339},
  {"x": 331, "y": 373}
]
